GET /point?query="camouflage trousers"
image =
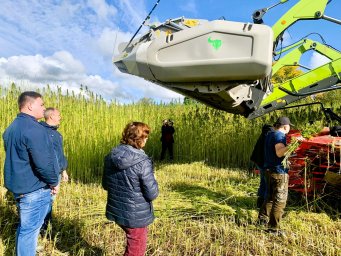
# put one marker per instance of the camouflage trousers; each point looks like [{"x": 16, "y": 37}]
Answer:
[{"x": 273, "y": 207}]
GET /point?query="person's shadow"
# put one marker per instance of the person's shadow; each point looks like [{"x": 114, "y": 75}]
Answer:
[
  {"x": 68, "y": 238},
  {"x": 218, "y": 202},
  {"x": 66, "y": 233}
]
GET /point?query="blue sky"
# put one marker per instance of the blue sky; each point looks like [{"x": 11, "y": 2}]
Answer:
[{"x": 68, "y": 43}]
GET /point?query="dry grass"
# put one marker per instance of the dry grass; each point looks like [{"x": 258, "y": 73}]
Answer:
[{"x": 201, "y": 210}]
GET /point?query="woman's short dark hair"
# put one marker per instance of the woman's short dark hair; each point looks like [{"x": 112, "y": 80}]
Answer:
[{"x": 135, "y": 133}]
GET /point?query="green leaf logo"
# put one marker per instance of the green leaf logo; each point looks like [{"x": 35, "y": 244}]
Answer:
[{"x": 215, "y": 43}]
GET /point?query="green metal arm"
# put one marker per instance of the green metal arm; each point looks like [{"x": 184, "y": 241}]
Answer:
[
  {"x": 321, "y": 79},
  {"x": 303, "y": 10},
  {"x": 293, "y": 57},
  {"x": 324, "y": 78}
]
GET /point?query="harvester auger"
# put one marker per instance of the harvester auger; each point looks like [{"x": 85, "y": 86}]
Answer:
[
  {"x": 315, "y": 169},
  {"x": 229, "y": 65}
]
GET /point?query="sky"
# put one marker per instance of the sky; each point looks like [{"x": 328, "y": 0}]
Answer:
[{"x": 69, "y": 43}]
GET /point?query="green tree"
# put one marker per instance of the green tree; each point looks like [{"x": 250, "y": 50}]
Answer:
[
  {"x": 286, "y": 73},
  {"x": 189, "y": 101}
]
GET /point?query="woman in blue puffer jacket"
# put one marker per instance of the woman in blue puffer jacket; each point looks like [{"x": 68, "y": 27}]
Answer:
[{"x": 131, "y": 185}]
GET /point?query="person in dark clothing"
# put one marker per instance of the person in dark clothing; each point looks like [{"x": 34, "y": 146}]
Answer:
[
  {"x": 257, "y": 157},
  {"x": 335, "y": 131},
  {"x": 129, "y": 179},
  {"x": 29, "y": 170},
  {"x": 167, "y": 138},
  {"x": 52, "y": 122},
  {"x": 276, "y": 176}
]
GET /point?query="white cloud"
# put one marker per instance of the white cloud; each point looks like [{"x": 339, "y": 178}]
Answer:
[
  {"x": 133, "y": 84},
  {"x": 103, "y": 10},
  {"x": 109, "y": 40},
  {"x": 61, "y": 66},
  {"x": 318, "y": 60},
  {"x": 133, "y": 13},
  {"x": 68, "y": 43},
  {"x": 63, "y": 70},
  {"x": 59, "y": 69}
]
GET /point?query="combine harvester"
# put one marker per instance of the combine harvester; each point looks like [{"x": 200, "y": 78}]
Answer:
[{"x": 229, "y": 65}]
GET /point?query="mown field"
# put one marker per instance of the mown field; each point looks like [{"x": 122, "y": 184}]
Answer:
[{"x": 207, "y": 202}]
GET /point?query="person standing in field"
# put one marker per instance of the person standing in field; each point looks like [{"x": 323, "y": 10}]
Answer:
[
  {"x": 29, "y": 170},
  {"x": 52, "y": 121},
  {"x": 257, "y": 157},
  {"x": 276, "y": 175},
  {"x": 129, "y": 179},
  {"x": 167, "y": 138}
]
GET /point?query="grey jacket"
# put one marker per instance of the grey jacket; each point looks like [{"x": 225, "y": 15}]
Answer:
[{"x": 129, "y": 179}]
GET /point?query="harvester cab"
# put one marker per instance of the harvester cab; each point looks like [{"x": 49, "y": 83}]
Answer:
[{"x": 229, "y": 65}]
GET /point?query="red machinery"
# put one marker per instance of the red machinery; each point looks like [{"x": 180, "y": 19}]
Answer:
[{"x": 314, "y": 163}]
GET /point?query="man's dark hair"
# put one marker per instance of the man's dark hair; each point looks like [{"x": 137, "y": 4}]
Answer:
[
  {"x": 277, "y": 126},
  {"x": 27, "y": 96}
]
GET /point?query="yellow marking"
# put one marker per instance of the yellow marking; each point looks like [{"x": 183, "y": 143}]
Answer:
[
  {"x": 168, "y": 32},
  {"x": 191, "y": 23},
  {"x": 280, "y": 101}
]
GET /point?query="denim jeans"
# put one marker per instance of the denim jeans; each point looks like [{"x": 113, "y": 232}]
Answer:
[
  {"x": 32, "y": 209},
  {"x": 136, "y": 241},
  {"x": 48, "y": 217}
]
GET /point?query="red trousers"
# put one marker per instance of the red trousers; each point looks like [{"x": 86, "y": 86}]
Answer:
[{"x": 136, "y": 241}]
